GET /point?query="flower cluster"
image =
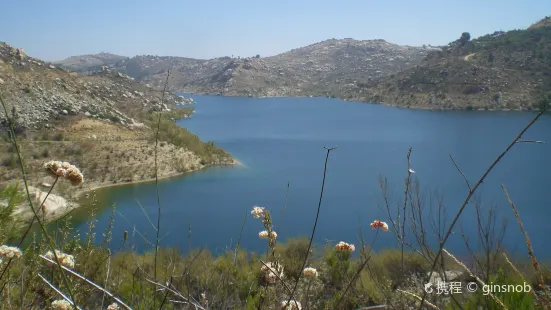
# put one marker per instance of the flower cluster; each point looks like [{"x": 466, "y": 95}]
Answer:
[
  {"x": 273, "y": 272},
  {"x": 257, "y": 212},
  {"x": 64, "y": 259},
  {"x": 61, "y": 304},
  {"x": 64, "y": 170},
  {"x": 293, "y": 305},
  {"x": 310, "y": 272},
  {"x": 379, "y": 225},
  {"x": 10, "y": 252},
  {"x": 113, "y": 306},
  {"x": 265, "y": 235},
  {"x": 343, "y": 246}
]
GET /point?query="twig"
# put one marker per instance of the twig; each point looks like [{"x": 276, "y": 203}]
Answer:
[
  {"x": 240, "y": 235},
  {"x": 146, "y": 216},
  {"x": 157, "y": 180},
  {"x": 433, "y": 306},
  {"x": 461, "y": 172},
  {"x": 175, "y": 293},
  {"x": 530, "y": 141},
  {"x": 59, "y": 292},
  {"x": 27, "y": 231},
  {"x": 473, "y": 190},
  {"x": 362, "y": 266},
  {"x": 535, "y": 264},
  {"x": 280, "y": 279},
  {"x": 315, "y": 222},
  {"x": 497, "y": 300},
  {"x": 408, "y": 181},
  {"x": 280, "y": 223},
  {"x": 523, "y": 279},
  {"x": 89, "y": 282}
]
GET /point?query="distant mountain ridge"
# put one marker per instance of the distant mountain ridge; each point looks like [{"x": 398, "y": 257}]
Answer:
[
  {"x": 499, "y": 71},
  {"x": 88, "y": 62},
  {"x": 502, "y": 70},
  {"x": 320, "y": 69}
]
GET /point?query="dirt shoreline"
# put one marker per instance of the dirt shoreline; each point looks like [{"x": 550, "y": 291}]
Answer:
[
  {"x": 60, "y": 210},
  {"x": 93, "y": 188}
]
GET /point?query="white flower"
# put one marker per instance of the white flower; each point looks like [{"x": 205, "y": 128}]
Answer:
[
  {"x": 310, "y": 272},
  {"x": 257, "y": 212},
  {"x": 10, "y": 252},
  {"x": 113, "y": 306},
  {"x": 273, "y": 272},
  {"x": 293, "y": 305},
  {"x": 378, "y": 224},
  {"x": 65, "y": 259},
  {"x": 343, "y": 246},
  {"x": 61, "y": 304},
  {"x": 265, "y": 235},
  {"x": 64, "y": 170}
]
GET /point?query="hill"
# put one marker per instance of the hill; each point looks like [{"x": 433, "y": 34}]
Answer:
[
  {"x": 85, "y": 63},
  {"x": 544, "y": 22},
  {"x": 322, "y": 69},
  {"x": 503, "y": 70},
  {"x": 104, "y": 123}
]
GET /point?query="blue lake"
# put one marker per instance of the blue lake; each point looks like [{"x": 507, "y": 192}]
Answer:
[{"x": 282, "y": 140}]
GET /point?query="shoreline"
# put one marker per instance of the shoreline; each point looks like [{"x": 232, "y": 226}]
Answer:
[
  {"x": 355, "y": 100},
  {"x": 83, "y": 192}
]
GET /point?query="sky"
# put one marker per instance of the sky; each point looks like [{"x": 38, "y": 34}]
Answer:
[{"x": 56, "y": 29}]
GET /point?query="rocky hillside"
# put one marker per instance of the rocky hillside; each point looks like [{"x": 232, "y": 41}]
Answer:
[
  {"x": 104, "y": 123},
  {"x": 545, "y": 22},
  {"x": 41, "y": 92},
  {"x": 86, "y": 63},
  {"x": 327, "y": 68},
  {"x": 503, "y": 70}
]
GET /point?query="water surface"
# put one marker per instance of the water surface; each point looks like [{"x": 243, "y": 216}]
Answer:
[{"x": 282, "y": 140}]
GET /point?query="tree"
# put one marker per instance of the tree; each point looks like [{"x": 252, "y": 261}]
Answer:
[
  {"x": 257, "y": 56},
  {"x": 465, "y": 37}
]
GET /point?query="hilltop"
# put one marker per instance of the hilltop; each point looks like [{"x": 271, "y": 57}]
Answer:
[
  {"x": 321, "y": 69},
  {"x": 544, "y": 22},
  {"x": 502, "y": 70},
  {"x": 104, "y": 123},
  {"x": 85, "y": 63}
]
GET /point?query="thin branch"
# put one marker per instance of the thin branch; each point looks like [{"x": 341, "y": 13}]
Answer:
[
  {"x": 89, "y": 282},
  {"x": 473, "y": 190},
  {"x": 59, "y": 292},
  {"x": 280, "y": 279},
  {"x": 497, "y": 300},
  {"x": 406, "y": 192},
  {"x": 157, "y": 182},
  {"x": 535, "y": 264},
  {"x": 461, "y": 172},
  {"x": 433, "y": 306},
  {"x": 284, "y": 208},
  {"x": 315, "y": 222},
  {"x": 174, "y": 292},
  {"x": 523, "y": 279}
]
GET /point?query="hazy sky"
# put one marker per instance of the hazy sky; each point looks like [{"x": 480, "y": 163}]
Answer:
[{"x": 56, "y": 29}]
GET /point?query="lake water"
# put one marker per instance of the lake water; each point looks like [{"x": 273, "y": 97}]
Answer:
[{"x": 282, "y": 140}]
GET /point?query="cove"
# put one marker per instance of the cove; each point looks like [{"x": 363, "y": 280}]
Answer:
[{"x": 282, "y": 140}]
